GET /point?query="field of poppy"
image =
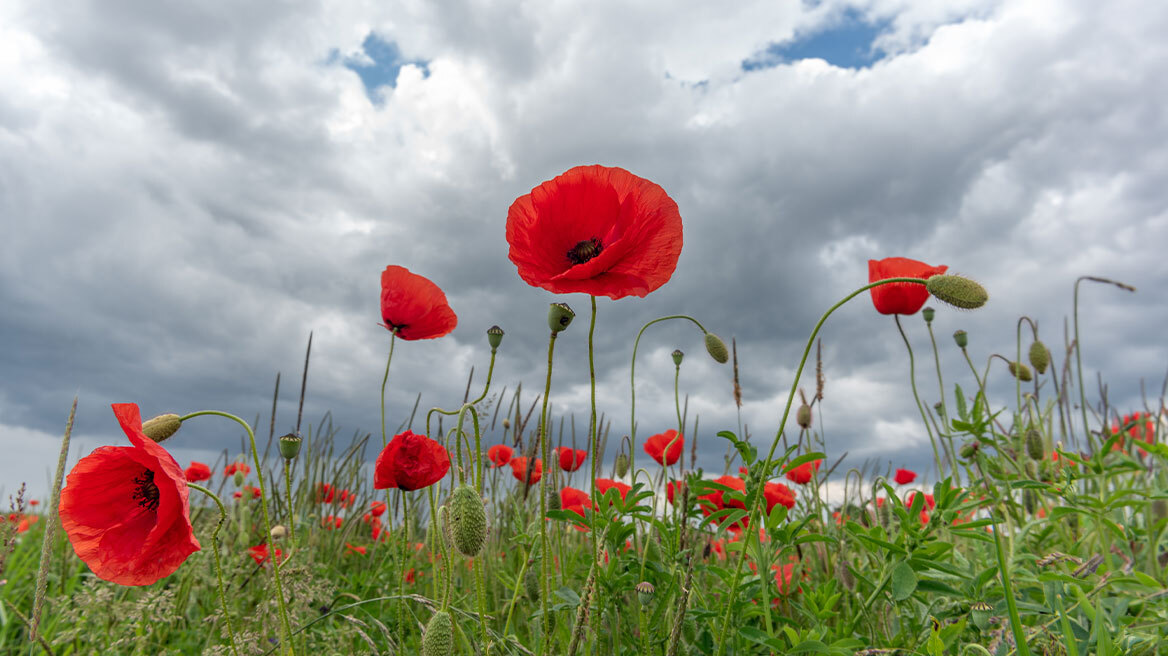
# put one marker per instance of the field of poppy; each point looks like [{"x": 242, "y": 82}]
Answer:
[{"x": 1041, "y": 529}]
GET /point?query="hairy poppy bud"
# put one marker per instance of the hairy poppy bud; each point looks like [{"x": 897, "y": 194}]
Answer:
[
  {"x": 957, "y": 291},
  {"x": 961, "y": 338},
  {"x": 559, "y": 316},
  {"x": 554, "y": 502},
  {"x": 494, "y": 337},
  {"x": 1034, "y": 447},
  {"x": 278, "y": 532},
  {"x": 622, "y": 465},
  {"x": 531, "y": 582},
  {"x": 803, "y": 416},
  {"x": 645, "y": 592},
  {"x": 717, "y": 348},
  {"x": 969, "y": 449},
  {"x": 290, "y": 446},
  {"x": 239, "y": 478},
  {"x": 468, "y": 521},
  {"x": 1039, "y": 357},
  {"x": 1021, "y": 372},
  {"x": 928, "y": 313},
  {"x": 161, "y": 427},
  {"x": 438, "y": 640},
  {"x": 1029, "y": 500},
  {"x": 677, "y": 356},
  {"x": 981, "y": 613}
]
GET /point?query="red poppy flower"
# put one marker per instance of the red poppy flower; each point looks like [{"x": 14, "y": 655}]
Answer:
[
  {"x": 410, "y": 462},
  {"x": 198, "y": 471},
  {"x": 900, "y": 297},
  {"x": 410, "y": 576},
  {"x": 579, "y": 510},
  {"x": 259, "y": 553},
  {"x": 230, "y": 470},
  {"x": 571, "y": 459},
  {"x": 248, "y": 491},
  {"x": 605, "y": 484},
  {"x": 905, "y": 476},
  {"x": 776, "y": 493},
  {"x": 347, "y": 499},
  {"x": 500, "y": 454},
  {"x": 570, "y": 496},
  {"x": 325, "y": 493},
  {"x": 673, "y": 488},
  {"x": 665, "y": 447},
  {"x": 358, "y": 550},
  {"x": 126, "y": 509},
  {"x": 929, "y": 504},
  {"x": 331, "y": 522},
  {"x": 783, "y": 576},
  {"x": 803, "y": 473},
  {"x": 714, "y": 501},
  {"x": 519, "y": 470},
  {"x": 25, "y": 524},
  {"x": 34, "y": 502},
  {"x": 1142, "y": 428},
  {"x": 597, "y": 230},
  {"x": 412, "y": 307},
  {"x": 377, "y": 508}
]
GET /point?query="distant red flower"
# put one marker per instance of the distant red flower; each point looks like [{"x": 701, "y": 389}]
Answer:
[
  {"x": 1141, "y": 428},
  {"x": 347, "y": 499},
  {"x": 743, "y": 472},
  {"x": 603, "y": 485},
  {"x": 597, "y": 230},
  {"x": 905, "y": 476},
  {"x": 777, "y": 493},
  {"x": 24, "y": 525},
  {"x": 519, "y": 470},
  {"x": 783, "y": 576},
  {"x": 34, "y": 502},
  {"x": 665, "y": 447},
  {"x": 230, "y": 470},
  {"x": 412, "y": 307},
  {"x": 803, "y": 474},
  {"x": 410, "y": 578},
  {"x": 410, "y": 462},
  {"x": 331, "y": 522},
  {"x": 198, "y": 471},
  {"x": 359, "y": 550},
  {"x": 260, "y": 554},
  {"x": 571, "y": 459},
  {"x": 672, "y": 489},
  {"x": 325, "y": 493},
  {"x": 499, "y": 454},
  {"x": 377, "y": 508},
  {"x": 126, "y": 509},
  {"x": 929, "y": 504},
  {"x": 900, "y": 297}
]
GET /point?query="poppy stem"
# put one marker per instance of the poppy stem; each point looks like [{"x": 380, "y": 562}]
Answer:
[
  {"x": 912, "y": 379},
  {"x": 384, "y": 380},
  {"x": 544, "y": 551},
  {"x": 944, "y": 411},
  {"x": 218, "y": 565}
]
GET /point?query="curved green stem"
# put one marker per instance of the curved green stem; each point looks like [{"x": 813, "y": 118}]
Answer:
[
  {"x": 912, "y": 379},
  {"x": 384, "y": 380},
  {"x": 944, "y": 406},
  {"x": 633, "y": 380},
  {"x": 218, "y": 565}
]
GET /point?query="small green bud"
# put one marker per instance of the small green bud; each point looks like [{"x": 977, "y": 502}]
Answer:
[
  {"x": 961, "y": 338},
  {"x": 438, "y": 640},
  {"x": 645, "y": 592},
  {"x": 981, "y": 613},
  {"x": 239, "y": 478},
  {"x": 494, "y": 337},
  {"x": 717, "y": 348},
  {"x": 803, "y": 416},
  {"x": 468, "y": 521},
  {"x": 290, "y": 446},
  {"x": 969, "y": 449},
  {"x": 1039, "y": 357},
  {"x": 957, "y": 291},
  {"x": 1029, "y": 500},
  {"x": 554, "y": 502},
  {"x": 1021, "y": 372},
  {"x": 928, "y": 313},
  {"x": 677, "y": 356},
  {"x": 1034, "y": 446},
  {"x": 531, "y": 581},
  {"x": 161, "y": 427},
  {"x": 559, "y": 316},
  {"x": 622, "y": 465}
]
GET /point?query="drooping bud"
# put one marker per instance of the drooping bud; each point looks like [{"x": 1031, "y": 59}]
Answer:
[
  {"x": 677, "y": 356},
  {"x": 290, "y": 446},
  {"x": 645, "y": 592},
  {"x": 803, "y": 416},
  {"x": 1039, "y": 357},
  {"x": 981, "y": 613},
  {"x": 928, "y": 313},
  {"x": 622, "y": 465},
  {"x": 961, "y": 338},
  {"x": 161, "y": 427},
  {"x": 468, "y": 521},
  {"x": 438, "y": 640},
  {"x": 1034, "y": 447},
  {"x": 560, "y": 316},
  {"x": 957, "y": 291},
  {"x": 494, "y": 337},
  {"x": 717, "y": 348},
  {"x": 1021, "y": 372}
]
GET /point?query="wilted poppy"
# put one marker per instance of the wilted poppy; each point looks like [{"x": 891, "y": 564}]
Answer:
[
  {"x": 500, "y": 454},
  {"x": 777, "y": 493},
  {"x": 126, "y": 509},
  {"x": 900, "y": 297},
  {"x": 519, "y": 470},
  {"x": 230, "y": 470},
  {"x": 905, "y": 476},
  {"x": 410, "y": 462},
  {"x": 597, "y": 230},
  {"x": 571, "y": 459},
  {"x": 803, "y": 474},
  {"x": 412, "y": 307},
  {"x": 260, "y": 554},
  {"x": 665, "y": 447},
  {"x": 198, "y": 471}
]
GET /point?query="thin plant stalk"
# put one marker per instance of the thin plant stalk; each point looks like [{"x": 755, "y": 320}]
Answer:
[
  {"x": 384, "y": 380},
  {"x": 912, "y": 379},
  {"x": 544, "y": 551},
  {"x": 219, "y": 566}
]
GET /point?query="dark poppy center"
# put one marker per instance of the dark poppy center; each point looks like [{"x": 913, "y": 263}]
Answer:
[
  {"x": 584, "y": 251},
  {"x": 146, "y": 492}
]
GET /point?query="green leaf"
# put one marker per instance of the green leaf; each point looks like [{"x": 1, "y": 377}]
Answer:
[
  {"x": 760, "y": 637},
  {"x": 904, "y": 581}
]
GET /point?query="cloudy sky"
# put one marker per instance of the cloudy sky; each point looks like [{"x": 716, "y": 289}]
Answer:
[{"x": 188, "y": 189}]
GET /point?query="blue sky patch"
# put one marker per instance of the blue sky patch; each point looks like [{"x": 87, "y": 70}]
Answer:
[
  {"x": 380, "y": 65},
  {"x": 846, "y": 43}
]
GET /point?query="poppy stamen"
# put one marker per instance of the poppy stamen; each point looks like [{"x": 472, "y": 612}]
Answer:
[
  {"x": 147, "y": 492},
  {"x": 585, "y": 250}
]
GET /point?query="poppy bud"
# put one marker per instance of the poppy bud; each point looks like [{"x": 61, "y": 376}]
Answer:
[
  {"x": 1029, "y": 500},
  {"x": 506, "y": 424},
  {"x": 803, "y": 416},
  {"x": 290, "y": 446},
  {"x": 969, "y": 449},
  {"x": 468, "y": 521},
  {"x": 438, "y": 640},
  {"x": 717, "y": 348},
  {"x": 531, "y": 583},
  {"x": 278, "y": 532},
  {"x": 1021, "y": 372},
  {"x": 1159, "y": 509},
  {"x": 553, "y": 500},
  {"x": 961, "y": 339},
  {"x": 928, "y": 313},
  {"x": 1039, "y": 357},
  {"x": 239, "y": 478},
  {"x": 162, "y": 426},
  {"x": 622, "y": 465},
  {"x": 1034, "y": 447},
  {"x": 559, "y": 316},
  {"x": 981, "y": 613},
  {"x": 645, "y": 593},
  {"x": 677, "y": 356},
  {"x": 1031, "y": 471},
  {"x": 957, "y": 291},
  {"x": 494, "y": 337}
]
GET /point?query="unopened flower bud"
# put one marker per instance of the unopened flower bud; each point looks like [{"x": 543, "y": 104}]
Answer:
[
  {"x": 161, "y": 427},
  {"x": 1021, "y": 372},
  {"x": 1159, "y": 509},
  {"x": 928, "y": 313},
  {"x": 290, "y": 445},
  {"x": 677, "y": 356},
  {"x": 1029, "y": 500},
  {"x": 645, "y": 592},
  {"x": 1039, "y": 357},
  {"x": 239, "y": 478},
  {"x": 438, "y": 640},
  {"x": 553, "y": 500},
  {"x": 506, "y": 424},
  {"x": 531, "y": 582},
  {"x": 957, "y": 291},
  {"x": 803, "y": 416},
  {"x": 468, "y": 521},
  {"x": 279, "y": 532},
  {"x": 494, "y": 337},
  {"x": 981, "y": 613},
  {"x": 717, "y": 348},
  {"x": 1034, "y": 446},
  {"x": 622, "y": 465},
  {"x": 961, "y": 338},
  {"x": 969, "y": 449},
  {"x": 559, "y": 316}
]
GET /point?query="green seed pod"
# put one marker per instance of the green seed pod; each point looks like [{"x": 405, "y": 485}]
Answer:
[
  {"x": 468, "y": 521},
  {"x": 161, "y": 427},
  {"x": 717, "y": 348},
  {"x": 560, "y": 316},
  {"x": 1034, "y": 446},
  {"x": 494, "y": 337},
  {"x": 622, "y": 465},
  {"x": 290, "y": 446},
  {"x": 1021, "y": 372},
  {"x": 803, "y": 416},
  {"x": 928, "y": 313},
  {"x": 957, "y": 291},
  {"x": 1039, "y": 357},
  {"x": 645, "y": 592},
  {"x": 677, "y": 356},
  {"x": 961, "y": 338},
  {"x": 438, "y": 640},
  {"x": 531, "y": 581},
  {"x": 981, "y": 613}
]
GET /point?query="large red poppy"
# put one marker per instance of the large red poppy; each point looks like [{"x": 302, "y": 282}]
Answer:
[
  {"x": 410, "y": 462},
  {"x": 126, "y": 509},
  {"x": 597, "y": 230},
  {"x": 571, "y": 459},
  {"x": 500, "y": 454},
  {"x": 570, "y": 496},
  {"x": 665, "y": 447},
  {"x": 198, "y": 471},
  {"x": 713, "y": 502},
  {"x": 777, "y": 493},
  {"x": 519, "y": 470},
  {"x": 413, "y": 307},
  {"x": 900, "y": 297}
]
